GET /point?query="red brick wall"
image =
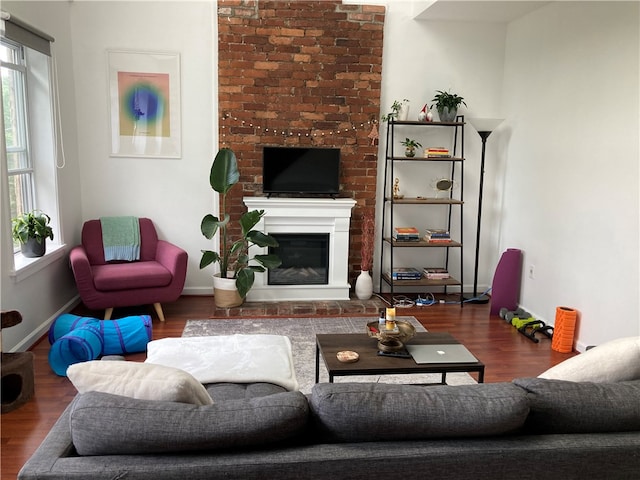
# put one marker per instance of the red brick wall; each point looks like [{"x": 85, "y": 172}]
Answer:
[{"x": 302, "y": 73}]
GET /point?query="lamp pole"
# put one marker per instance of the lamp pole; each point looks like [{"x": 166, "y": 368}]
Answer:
[{"x": 484, "y": 127}]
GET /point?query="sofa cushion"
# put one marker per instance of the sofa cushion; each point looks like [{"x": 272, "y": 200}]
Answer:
[
  {"x": 138, "y": 380},
  {"x": 103, "y": 424},
  {"x": 222, "y": 392},
  {"x": 130, "y": 275},
  {"x": 356, "y": 412},
  {"x": 613, "y": 361},
  {"x": 559, "y": 406}
]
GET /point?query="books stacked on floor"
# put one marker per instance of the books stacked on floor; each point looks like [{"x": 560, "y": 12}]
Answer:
[
  {"x": 435, "y": 273},
  {"x": 437, "y": 152},
  {"x": 406, "y": 273},
  {"x": 437, "y": 236},
  {"x": 406, "y": 234}
]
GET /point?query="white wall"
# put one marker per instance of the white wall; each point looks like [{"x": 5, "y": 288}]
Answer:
[
  {"x": 465, "y": 58},
  {"x": 174, "y": 193},
  {"x": 50, "y": 291},
  {"x": 563, "y": 166},
  {"x": 571, "y": 187},
  {"x": 561, "y": 178}
]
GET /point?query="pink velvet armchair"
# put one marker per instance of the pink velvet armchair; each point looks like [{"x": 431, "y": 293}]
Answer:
[{"x": 157, "y": 277}]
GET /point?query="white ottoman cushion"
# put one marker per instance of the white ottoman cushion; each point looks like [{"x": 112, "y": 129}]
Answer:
[{"x": 229, "y": 358}]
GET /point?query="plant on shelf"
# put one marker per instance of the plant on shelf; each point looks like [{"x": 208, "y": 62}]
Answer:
[
  {"x": 234, "y": 256},
  {"x": 31, "y": 230},
  {"x": 396, "y": 107},
  {"x": 410, "y": 147},
  {"x": 447, "y": 105}
]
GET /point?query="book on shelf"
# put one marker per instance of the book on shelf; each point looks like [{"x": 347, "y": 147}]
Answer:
[
  {"x": 437, "y": 236},
  {"x": 406, "y": 231},
  {"x": 437, "y": 152},
  {"x": 406, "y": 273},
  {"x": 403, "y": 234},
  {"x": 435, "y": 273}
]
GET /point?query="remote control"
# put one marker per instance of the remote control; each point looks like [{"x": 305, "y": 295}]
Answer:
[{"x": 400, "y": 354}]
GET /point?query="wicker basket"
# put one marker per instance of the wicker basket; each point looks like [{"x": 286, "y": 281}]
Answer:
[{"x": 225, "y": 293}]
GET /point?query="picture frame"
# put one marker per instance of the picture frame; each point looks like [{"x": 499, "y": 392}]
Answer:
[{"x": 144, "y": 101}]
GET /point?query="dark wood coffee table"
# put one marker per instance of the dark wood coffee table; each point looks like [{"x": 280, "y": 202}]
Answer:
[{"x": 370, "y": 363}]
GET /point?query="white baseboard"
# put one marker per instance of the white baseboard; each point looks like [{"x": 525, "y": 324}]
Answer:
[{"x": 43, "y": 328}]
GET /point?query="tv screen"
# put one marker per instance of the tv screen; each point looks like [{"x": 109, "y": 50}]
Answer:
[{"x": 301, "y": 170}]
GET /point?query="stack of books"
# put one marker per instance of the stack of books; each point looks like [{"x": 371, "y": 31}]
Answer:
[
  {"x": 406, "y": 273},
  {"x": 434, "y": 235},
  {"x": 435, "y": 273},
  {"x": 406, "y": 234},
  {"x": 437, "y": 152}
]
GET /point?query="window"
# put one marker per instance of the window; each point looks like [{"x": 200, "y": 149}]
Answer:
[
  {"x": 29, "y": 148},
  {"x": 19, "y": 165}
]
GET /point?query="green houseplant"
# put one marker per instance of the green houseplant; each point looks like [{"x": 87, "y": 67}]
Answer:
[
  {"x": 234, "y": 256},
  {"x": 447, "y": 105},
  {"x": 31, "y": 230},
  {"x": 410, "y": 147}
]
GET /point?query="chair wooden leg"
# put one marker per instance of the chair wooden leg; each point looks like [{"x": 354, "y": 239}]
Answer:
[
  {"x": 158, "y": 308},
  {"x": 107, "y": 313}
]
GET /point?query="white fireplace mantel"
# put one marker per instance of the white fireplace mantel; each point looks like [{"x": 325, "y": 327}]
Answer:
[{"x": 305, "y": 215}]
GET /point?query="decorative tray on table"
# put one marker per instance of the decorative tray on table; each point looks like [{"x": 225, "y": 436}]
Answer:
[{"x": 391, "y": 339}]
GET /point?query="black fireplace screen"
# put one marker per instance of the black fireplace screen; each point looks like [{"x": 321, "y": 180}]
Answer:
[{"x": 305, "y": 259}]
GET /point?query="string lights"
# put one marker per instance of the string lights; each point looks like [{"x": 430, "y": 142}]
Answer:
[{"x": 300, "y": 133}]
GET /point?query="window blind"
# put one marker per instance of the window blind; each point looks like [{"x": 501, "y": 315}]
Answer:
[{"x": 23, "y": 33}]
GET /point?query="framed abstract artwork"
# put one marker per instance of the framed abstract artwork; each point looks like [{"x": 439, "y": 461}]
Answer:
[{"x": 144, "y": 100}]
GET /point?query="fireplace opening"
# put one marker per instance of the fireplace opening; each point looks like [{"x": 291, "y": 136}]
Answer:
[{"x": 305, "y": 259}]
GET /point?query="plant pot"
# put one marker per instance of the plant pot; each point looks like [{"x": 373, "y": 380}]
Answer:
[
  {"x": 410, "y": 152},
  {"x": 403, "y": 113},
  {"x": 33, "y": 249},
  {"x": 364, "y": 285},
  {"x": 225, "y": 293},
  {"x": 447, "y": 115}
]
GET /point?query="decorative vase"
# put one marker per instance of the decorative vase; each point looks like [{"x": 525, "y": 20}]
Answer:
[
  {"x": 447, "y": 115},
  {"x": 33, "y": 249},
  {"x": 225, "y": 293},
  {"x": 410, "y": 152},
  {"x": 403, "y": 113},
  {"x": 364, "y": 285}
]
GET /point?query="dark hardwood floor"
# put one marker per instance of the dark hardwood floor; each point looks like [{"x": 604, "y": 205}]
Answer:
[{"x": 506, "y": 353}]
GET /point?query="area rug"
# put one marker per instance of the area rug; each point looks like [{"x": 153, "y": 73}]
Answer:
[{"x": 302, "y": 333}]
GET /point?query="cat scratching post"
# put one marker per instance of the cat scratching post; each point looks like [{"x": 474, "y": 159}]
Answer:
[{"x": 17, "y": 369}]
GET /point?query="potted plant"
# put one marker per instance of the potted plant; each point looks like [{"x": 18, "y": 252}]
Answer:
[
  {"x": 410, "y": 147},
  {"x": 399, "y": 111},
  {"x": 447, "y": 105},
  {"x": 237, "y": 274},
  {"x": 31, "y": 230}
]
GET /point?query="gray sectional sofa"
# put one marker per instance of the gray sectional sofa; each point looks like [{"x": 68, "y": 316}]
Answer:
[{"x": 527, "y": 429}]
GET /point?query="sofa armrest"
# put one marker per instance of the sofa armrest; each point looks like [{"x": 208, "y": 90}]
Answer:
[
  {"x": 174, "y": 259},
  {"x": 82, "y": 271}
]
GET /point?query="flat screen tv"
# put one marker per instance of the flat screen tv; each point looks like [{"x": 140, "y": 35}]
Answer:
[{"x": 295, "y": 170}]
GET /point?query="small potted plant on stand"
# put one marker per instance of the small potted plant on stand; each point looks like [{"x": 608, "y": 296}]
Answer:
[
  {"x": 399, "y": 111},
  {"x": 410, "y": 147},
  {"x": 31, "y": 230},
  {"x": 364, "y": 282},
  {"x": 447, "y": 105},
  {"x": 236, "y": 275}
]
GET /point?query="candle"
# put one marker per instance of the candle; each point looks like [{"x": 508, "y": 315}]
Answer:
[{"x": 390, "y": 324}]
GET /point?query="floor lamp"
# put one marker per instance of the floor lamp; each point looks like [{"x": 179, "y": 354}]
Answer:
[{"x": 484, "y": 127}]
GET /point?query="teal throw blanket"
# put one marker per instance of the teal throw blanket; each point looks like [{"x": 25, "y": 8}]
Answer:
[{"x": 121, "y": 238}]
